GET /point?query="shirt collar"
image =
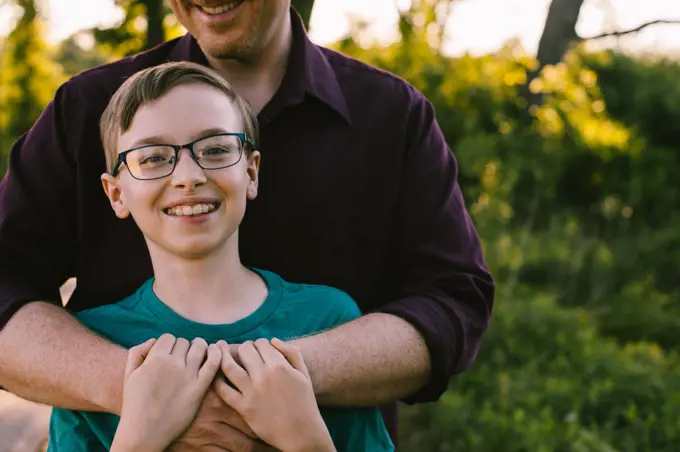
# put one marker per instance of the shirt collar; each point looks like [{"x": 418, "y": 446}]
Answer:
[{"x": 309, "y": 71}]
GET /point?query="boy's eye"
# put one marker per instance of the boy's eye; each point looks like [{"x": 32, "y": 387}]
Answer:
[
  {"x": 215, "y": 151},
  {"x": 152, "y": 159}
]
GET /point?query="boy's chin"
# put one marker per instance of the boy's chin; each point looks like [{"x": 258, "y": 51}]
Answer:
[{"x": 192, "y": 251}]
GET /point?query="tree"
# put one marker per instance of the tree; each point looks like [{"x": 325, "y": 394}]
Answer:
[
  {"x": 304, "y": 7},
  {"x": 155, "y": 15},
  {"x": 74, "y": 57},
  {"x": 559, "y": 35},
  {"x": 559, "y": 32},
  {"x": 142, "y": 28},
  {"x": 425, "y": 19}
]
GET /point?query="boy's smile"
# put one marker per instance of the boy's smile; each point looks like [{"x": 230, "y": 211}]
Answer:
[
  {"x": 192, "y": 208},
  {"x": 191, "y": 212}
]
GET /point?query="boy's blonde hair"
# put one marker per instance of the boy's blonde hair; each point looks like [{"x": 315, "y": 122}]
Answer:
[{"x": 151, "y": 84}]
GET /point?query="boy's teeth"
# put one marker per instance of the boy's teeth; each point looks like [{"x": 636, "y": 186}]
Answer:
[
  {"x": 195, "y": 209},
  {"x": 222, "y": 8}
]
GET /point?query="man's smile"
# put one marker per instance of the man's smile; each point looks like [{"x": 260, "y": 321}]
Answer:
[{"x": 221, "y": 8}]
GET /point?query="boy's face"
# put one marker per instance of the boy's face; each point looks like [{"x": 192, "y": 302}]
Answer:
[{"x": 186, "y": 113}]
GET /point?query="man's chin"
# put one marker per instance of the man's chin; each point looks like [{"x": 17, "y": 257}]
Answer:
[
  {"x": 236, "y": 48},
  {"x": 228, "y": 54}
]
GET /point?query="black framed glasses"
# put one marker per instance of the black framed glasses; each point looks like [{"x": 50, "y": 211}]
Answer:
[{"x": 155, "y": 161}]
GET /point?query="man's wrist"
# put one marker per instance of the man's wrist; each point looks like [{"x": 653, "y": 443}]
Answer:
[
  {"x": 128, "y": 438},
  {"x": 316, "y": 438},
  {"x": 321, "y": 444},
  {"x": 310, "y": 348},
  {"x": 110, "y": 395},
  {"x": 124, "y": 444}
]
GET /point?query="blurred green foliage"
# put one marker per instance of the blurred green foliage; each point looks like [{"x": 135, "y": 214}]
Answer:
[
  {"x": 130, "y": 36},
  {"x": 576, "y": 201},
  {"x": 547, "y": 381}
]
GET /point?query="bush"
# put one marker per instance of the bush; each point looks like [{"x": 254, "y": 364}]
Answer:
[{"x": 545, "y": 381}]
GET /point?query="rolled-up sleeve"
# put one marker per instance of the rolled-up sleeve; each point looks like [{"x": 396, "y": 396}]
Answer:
[
  {"x": 444, "y": 287},
  {"x": 37, "y": 213}
]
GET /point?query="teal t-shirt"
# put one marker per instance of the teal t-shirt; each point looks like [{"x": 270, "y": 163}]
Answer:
[{"x": 289, "y": 311}]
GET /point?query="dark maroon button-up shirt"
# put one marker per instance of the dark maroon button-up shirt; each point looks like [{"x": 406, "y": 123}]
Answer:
[{"x": 358, "y": 190}]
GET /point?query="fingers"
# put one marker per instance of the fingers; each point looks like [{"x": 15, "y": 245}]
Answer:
[
  {"x": 229, "y": 395},
  {"x": 196, "y": 354},
  {"x": 163, "y": 345},
  {"x": 136, "y": 356},
  {"x": 270, "y": 355},
  {"x": 234, "y": 373},
  {"x": 293, "y": 355},
  {"x": 180, "y": 349},
  {"x": 212, "y": 363},
  {"x": 251, "y": 359},
  {"x": 233, "y": 348}
]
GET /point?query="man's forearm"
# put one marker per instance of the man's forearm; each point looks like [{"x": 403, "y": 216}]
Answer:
[
  {"x": 47, "y": 356},
  {"x": 374, "y": 359}
]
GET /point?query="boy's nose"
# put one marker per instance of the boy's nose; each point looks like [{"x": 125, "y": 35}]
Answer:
[{"x": 188, "y": 174}]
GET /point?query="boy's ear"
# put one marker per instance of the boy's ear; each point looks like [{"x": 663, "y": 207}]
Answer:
[
  {"x": 253, "y": 174},
  {"x": 115, "y": 195}
]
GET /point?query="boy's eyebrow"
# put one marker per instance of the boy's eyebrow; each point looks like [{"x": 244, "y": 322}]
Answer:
[
  {"x": 210, "y": 131},
  {"x": 159, "y": 139},
  {"x": 155, "y": 139}
]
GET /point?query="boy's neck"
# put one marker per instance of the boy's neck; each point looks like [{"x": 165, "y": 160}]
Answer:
[{"x": 216, "y": 289}]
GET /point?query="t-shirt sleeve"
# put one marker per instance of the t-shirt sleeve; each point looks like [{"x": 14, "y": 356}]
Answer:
[
  {"x": 341, "y": 308},
  {"x": 70, "y": 432}
]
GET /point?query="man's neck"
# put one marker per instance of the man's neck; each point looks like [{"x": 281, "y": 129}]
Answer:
[
  {"x": 257, "y": 80},
  {"x": 215, "y": 289}
]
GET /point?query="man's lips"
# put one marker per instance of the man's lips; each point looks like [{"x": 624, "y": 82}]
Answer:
[{"x": 218, "y": 8}]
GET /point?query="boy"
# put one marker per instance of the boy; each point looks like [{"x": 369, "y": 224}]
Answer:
[{"x": 188, "y": 201}]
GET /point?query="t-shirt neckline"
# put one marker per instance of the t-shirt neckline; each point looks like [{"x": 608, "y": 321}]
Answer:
[{"x": 216, "y": 331}]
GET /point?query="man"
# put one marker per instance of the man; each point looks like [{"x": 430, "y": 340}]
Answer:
[{"x": 358, "y": 191}]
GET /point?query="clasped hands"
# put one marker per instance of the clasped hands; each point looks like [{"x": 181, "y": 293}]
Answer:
[{"x": 176, "y": 397}]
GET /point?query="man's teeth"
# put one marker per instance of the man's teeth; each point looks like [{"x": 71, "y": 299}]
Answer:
[
  {"x": 194, "y": 209},
  {"x": 222, "y": 8}
]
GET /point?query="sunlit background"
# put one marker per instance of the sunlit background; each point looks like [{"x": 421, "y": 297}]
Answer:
[
  {"x": 570, "y": 165},
  {"x": 476, "y": 26}
]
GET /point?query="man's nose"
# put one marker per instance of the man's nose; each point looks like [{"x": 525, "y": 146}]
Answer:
[{"x": 187, "y": 174}]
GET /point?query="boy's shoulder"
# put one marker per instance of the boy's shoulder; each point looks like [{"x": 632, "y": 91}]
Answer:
[
  {"x": 330, "y": 305},
  {"x": 122, "y": 322}
]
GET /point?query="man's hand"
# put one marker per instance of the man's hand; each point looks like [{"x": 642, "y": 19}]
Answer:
[{"x": 218, "y": 428}]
